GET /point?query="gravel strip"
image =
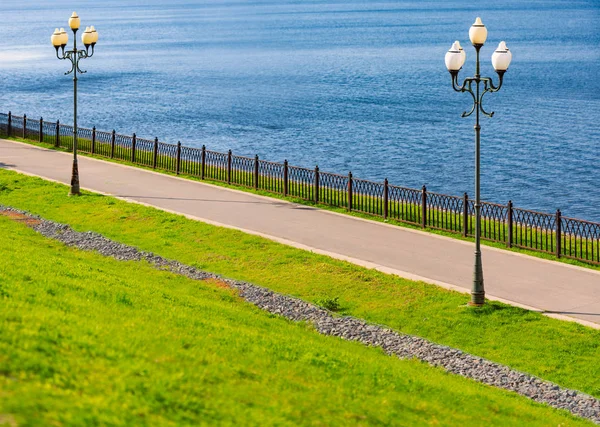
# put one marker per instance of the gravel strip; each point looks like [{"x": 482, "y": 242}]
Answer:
[{"x": 349, "y": 328}]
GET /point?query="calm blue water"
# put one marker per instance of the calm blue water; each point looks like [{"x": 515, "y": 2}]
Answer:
[{"x": 347, "y": 85}]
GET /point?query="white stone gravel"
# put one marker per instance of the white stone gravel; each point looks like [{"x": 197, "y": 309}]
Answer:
[{"x": 349, "y": 328}]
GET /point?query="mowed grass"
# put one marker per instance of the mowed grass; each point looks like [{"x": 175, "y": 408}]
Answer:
[
  {"x": 559, "y": 351},
  {"x": 88, "y": 340}
]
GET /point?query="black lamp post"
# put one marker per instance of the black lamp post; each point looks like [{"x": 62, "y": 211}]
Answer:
[
  {"x": 455, "y": 58},
  {"x": 59, "y": 40}
]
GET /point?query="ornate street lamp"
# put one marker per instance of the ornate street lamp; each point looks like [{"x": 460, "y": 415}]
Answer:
[
  {"x": 59, "y": 41},
  {"x": 455, "y": 58}
]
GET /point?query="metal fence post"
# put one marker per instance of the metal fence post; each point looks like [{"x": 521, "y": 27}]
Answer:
[
  {"x": 509, "y": 222},
  {"x": 316, "y": 189},
  {"x": 203, "y": 162},
  {"x": 133, "y": 141},
  {"x": 155, "y": 153},
  {"x": 385, "y": 198},
  {"x": 424, "y": 207},
  {"x": 94, "y": 140},
  {"x": 285, "y": 178},
  {"x": 41, "y": 129},
  {"x": 349, "y": 191},
  {"x": 9, "y": 130},
  {"x": 57, "y": 140},
  {"x": 24, "y": 126},
  {"x": 256, "y": 172},
  {"x": 558, "y": 233},
  {"x": 112, "y": 143},
  {"x": 465, "y": 230},
  {"x": 229, "y": 167},
  {"x": 178, "y": 165}
]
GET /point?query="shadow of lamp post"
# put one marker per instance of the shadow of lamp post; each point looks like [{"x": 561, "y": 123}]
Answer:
[
  {"x": 455, "y": 58},
  {"x": 59, "y": 41}
]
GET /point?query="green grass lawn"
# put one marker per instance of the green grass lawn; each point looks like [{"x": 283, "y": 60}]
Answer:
[
  {"x": 563, "y": 352},
  {"x": 88, "y": 340}
]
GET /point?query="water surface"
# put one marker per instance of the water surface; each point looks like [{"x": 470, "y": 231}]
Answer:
[{"x": 347, "y": 85}]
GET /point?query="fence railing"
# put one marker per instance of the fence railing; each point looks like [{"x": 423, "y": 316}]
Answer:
[{"x": 537, "y": 231}]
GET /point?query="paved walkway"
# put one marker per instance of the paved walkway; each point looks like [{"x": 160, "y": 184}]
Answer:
[{"x": 545, "y": 285}]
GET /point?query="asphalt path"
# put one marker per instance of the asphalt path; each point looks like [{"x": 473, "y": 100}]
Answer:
[{"x": 553, "y": 287}]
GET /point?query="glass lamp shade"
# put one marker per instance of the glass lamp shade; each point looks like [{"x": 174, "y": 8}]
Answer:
[
  {"x": 94, "y": 34},
  {"x": 56, "y": 38},
  {"x": 501, "y": 57},
  {"x": 478, "y": 32},
  {"x": 87, "y": 37},
  {"x": 463, "y": 54},
  {"x": 453, "y": 58},
  {"x": 74, "y": 21},
  {"x": 64, "y": 37}
]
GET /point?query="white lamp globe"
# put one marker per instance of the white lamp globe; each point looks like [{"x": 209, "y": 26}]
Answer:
[
  {"x": 478, "y": 32},
  {"x": 56, "y": 38},
  {"x": 74, "y": 21},
  {"x": 453, "y": 58},
  {"x": 94, "y": 34},
  {"x": 501, "y": 57},
  {"x": 64, "y": 37},
  {"x": 87, "y": 37},
  {"x": 463, "y": 54}
]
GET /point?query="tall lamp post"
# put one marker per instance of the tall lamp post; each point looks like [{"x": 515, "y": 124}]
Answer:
[
  {"x": 455, "y": 58},
  {"x": 59, "y": 41}
]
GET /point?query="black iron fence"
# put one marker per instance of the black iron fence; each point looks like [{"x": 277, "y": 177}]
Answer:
[{"x": 537, "y": 231}]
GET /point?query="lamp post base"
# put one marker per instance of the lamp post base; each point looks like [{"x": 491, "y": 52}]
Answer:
[
  {"x": 75, "y": 180},
  {"x": 476, "y": 304},
  {"x": 478, "y": 290}
]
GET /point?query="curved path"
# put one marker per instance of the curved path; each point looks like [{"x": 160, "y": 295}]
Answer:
[{"x": 558, "y": 289}]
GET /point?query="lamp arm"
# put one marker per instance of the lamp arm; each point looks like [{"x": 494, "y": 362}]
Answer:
[
  {"x": 76, "y": 62},
  {"x": 75, "y": 56},
  {"x": 70, "y": 55},
  {"x": 488, "y": 87},
  {"x": 463, "y": 88},
  {"x": 466, "y": 87},
  {"x": 72, "y": 68},
  {"x": 81, "y": 54},
  {"x": 465, "y": 113},
  {"x": 86, "y": 53},
  {"x": 62, "y": 55},
  {"x": 491, "y": 114},
  {"x": 489, "y": 84}
]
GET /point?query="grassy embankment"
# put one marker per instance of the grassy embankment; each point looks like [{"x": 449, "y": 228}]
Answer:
[
  {"x": 405, "y": 215},
  {"x": 89, "y": 340},
  {"x": 563, "y": 352}
]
